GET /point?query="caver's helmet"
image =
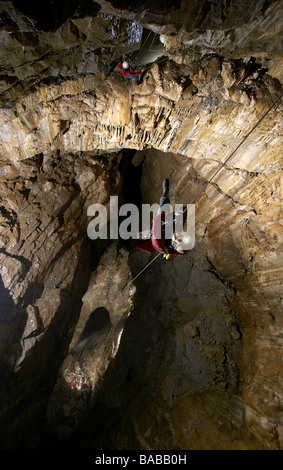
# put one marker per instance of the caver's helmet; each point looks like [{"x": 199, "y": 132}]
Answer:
[
  {"x": 180, "y": 250},
  {"x": 125, "y": 65}
]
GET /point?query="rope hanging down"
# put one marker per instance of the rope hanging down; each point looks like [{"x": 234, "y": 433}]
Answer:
[
  {"x": 238, "y": 146},
  {"x": 213, "y": 176}
]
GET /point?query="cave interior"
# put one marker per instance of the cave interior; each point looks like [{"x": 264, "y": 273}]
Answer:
[{"x": 101, "y": 346}]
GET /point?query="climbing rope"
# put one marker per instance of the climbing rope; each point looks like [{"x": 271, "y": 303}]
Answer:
[
  {"x": 238, "y": 146},
  {"x": 128, "y": 285},
  {"x": 23, "y": 206},
  {"x": 152, "y": 42},
  {"x": 213, "y": 176},
  {"x": 142, "y": 47}
]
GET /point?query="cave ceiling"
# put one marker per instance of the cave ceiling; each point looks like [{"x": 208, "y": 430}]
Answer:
[{"x": 74, "y": 131}]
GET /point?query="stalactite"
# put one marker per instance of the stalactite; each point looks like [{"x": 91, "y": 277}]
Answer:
[{"x": 201, "y": 333}]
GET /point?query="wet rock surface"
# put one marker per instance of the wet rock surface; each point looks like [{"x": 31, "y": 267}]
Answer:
[{"x": 188, "y": 356}]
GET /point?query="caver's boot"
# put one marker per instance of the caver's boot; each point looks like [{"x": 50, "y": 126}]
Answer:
[{"x": 165, "y": 185}]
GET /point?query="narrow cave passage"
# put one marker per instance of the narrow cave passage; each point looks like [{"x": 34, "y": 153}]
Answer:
[
  {"x": 173, "y": 345},
  {"x": 178, "y": 340},
  {"x": 181, "y": 346},
  {"x": 188, "y": 356},
  {"x": 180, "y": 309}
]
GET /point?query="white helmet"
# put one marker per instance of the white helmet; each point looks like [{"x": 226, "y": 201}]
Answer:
[
  {"x": 180, "y": 250},
  {"x": 125, "y": 65}
]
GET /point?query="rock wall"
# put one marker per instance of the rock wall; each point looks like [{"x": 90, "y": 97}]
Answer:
[
  {"x": 199, "y": 360},
  {"x": 46, "y": 261},
  {"x": 106, "y": 306},
  {"x": 201, "y": 377}
]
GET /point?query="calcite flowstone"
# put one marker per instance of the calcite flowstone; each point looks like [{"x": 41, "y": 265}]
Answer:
[{"x": 199, "y": 360}]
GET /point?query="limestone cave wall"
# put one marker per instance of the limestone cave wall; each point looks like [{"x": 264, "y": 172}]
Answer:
[{"x": 189, "y": 355}]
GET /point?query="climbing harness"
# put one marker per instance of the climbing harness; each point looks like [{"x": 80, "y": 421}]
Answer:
[{"x": 168, "y": 257}]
